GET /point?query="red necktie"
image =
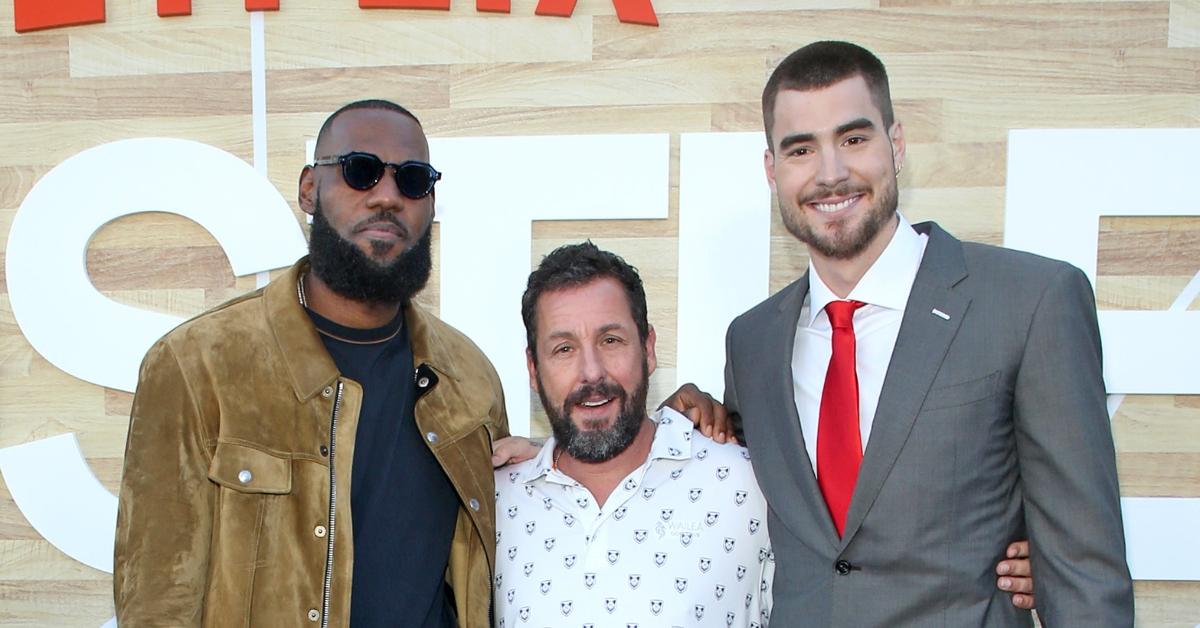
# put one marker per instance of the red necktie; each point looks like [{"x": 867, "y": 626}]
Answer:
[{"x": 839, "y": 443}]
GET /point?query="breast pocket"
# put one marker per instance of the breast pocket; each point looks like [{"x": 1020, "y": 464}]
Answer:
[
  {"x": 249, "y": 470},
  {"x": 252, "y": 483},
  {"x": 962, "y": 393}
]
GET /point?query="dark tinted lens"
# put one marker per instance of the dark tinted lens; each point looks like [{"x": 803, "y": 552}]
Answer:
[
  {"x": 362, "y": 172},
  {"x": 415, "y": 180}
]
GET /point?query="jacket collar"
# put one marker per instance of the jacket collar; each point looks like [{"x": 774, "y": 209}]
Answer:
[
  {"x": 427, "y": 334},
  {"x": 309, "y": 363}
]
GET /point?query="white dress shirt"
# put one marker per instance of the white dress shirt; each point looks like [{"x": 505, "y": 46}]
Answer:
[
  {"x": 682, "y": 541},
  {"x": 884, "y": 288}
]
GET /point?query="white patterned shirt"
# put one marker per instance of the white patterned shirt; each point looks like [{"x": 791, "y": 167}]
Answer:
[{"x": 682, "y": 541}]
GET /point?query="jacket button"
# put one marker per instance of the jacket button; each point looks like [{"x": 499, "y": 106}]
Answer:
[
  {"x": 324, "y": 451},
  {"x": 474, "y": 504},
  {"x": 842, "y": 567},
  {"x": 423, "y": 382},
  {"x": 314, "y": 614},
  {"x": 244, "y": 476},
  {"x": 431, "y": 437},
  {"x": 328, "y": 392},
  {"x": 319, "y": 531}
]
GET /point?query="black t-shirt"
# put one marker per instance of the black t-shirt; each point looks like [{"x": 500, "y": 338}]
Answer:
[{"x": 404, "y": 507}]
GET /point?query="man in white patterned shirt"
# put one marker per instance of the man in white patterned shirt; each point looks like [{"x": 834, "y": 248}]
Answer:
[{"x": 622, "y": 519}]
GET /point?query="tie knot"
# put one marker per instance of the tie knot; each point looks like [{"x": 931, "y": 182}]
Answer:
[{"x": 841, "y": 313}]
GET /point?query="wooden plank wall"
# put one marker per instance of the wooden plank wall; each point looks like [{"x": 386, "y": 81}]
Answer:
[{"x": 964, "y": 72}]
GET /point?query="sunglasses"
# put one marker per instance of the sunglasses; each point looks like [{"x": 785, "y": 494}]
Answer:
[{"x": 362, "y": 171}]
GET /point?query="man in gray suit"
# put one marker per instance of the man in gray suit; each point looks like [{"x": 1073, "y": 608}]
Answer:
[{"x": 954, "y": 403}]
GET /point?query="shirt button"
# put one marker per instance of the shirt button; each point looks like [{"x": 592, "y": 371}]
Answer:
[
  {"x": 319, "y": 531},
  {"x": 324, "y": 451},
  {"x": 328, "y": 392},
  {"x": 423, "y": 382},
  {"x": 842, "y": 567},
  {"x": 244, "y": 476},
  {"x": 474, "y": 504},
  {"x": 314, "y": 614},
  {"x": 431, "y": 437}
]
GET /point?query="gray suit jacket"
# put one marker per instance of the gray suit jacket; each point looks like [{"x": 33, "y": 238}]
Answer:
[{"x": 991, "y": 425}]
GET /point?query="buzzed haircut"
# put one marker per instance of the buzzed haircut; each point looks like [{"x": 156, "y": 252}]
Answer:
[
  {"x": 821, "y": 64},
  {"x": 370, "y": 103},
  {"x": 574, "y": 265}
]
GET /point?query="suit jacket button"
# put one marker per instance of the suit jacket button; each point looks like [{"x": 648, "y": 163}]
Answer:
[{"x": 842, "y": 567}]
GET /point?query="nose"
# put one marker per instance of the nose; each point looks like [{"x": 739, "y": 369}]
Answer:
[
  {"x": 386, "y": 194},
  {"x": 592, "y": 369},
  {"x": 831, "y": 168}
]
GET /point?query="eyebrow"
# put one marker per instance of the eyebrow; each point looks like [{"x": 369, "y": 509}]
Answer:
[
  {"x": 801, "y": 138},
  {"x": 855, "y": 125},
  {"x": 603, "y": 329}
]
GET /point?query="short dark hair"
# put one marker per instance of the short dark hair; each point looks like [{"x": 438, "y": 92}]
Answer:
[
  {"x": 575, "y": 265},
  {"x": 821, "y": 64},
  {"x": 370, "y": 103}
]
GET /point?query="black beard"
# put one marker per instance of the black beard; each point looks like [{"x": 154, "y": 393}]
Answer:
[
  {"x": 598, "y": 445},
  {"x": 349, "y": 272}
]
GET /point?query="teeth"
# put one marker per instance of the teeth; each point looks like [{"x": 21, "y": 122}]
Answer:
[
  {"x": 593, "y": 404},
  {"x": 832, "y": 207}
]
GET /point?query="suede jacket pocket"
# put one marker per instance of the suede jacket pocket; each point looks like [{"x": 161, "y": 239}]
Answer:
[{"x": 249, "y": 470}]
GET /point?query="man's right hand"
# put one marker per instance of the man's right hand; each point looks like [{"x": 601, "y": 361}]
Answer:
[
  {"x": 709, "y": 415},
  {"x": 513, "y": 449}
]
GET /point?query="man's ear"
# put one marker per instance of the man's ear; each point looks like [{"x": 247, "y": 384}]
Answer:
[
  {"x": 651, "y": 358},
  {"x": 532, "y": 366},
  {"x": 896, "y": 134},
  {"x": 769, "y": 167},
  {"x": 307, "y": 195}
]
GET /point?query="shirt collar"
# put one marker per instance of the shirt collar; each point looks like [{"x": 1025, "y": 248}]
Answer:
[
  {"x": 887, "y": 283},
  {"x": 672, "y": 441}
]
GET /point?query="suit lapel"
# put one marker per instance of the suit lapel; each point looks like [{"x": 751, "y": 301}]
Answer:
[
  {"x": 780, "y": 391},
  {"x": 920, "y": 349}
]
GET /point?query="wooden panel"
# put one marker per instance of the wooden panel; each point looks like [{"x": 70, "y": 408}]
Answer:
[
  {"x": 162, "y": 52},
  {"x": 55, "y": 100},
  {"x": 34, "y": 56},
  {"x": 667, "y": 81},
  {"x": 1041, "y": 27},
  {"x": 376, "y": 40},
  {"x": 1184, "y": 31},
  {"x": 1011, "y": 74},
  {"x": 964, "y": 73},
  {"x": 1166, "y": 604}
]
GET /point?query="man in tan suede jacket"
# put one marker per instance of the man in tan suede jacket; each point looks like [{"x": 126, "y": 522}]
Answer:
[{"x": 316, "y": 453}]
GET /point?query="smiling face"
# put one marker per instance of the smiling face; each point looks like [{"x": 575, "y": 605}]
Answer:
[
  {"x": 591, "y": 370},
  {"x": 833, "y": 166}
]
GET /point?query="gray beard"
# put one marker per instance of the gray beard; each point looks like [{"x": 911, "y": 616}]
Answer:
[{"x": 598, "y": 445}]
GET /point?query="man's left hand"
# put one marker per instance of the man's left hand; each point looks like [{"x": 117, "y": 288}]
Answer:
[{"x": 513, "y": 449}]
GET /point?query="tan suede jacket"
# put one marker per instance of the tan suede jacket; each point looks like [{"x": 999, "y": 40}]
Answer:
[{"x": 234, "y": 507}]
